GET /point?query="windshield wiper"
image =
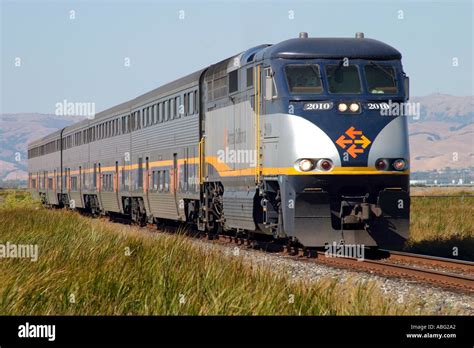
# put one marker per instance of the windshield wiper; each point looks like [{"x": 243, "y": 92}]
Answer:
[
  {"x": 316, "y": 71},
  {"x": 339, "y": 66}
]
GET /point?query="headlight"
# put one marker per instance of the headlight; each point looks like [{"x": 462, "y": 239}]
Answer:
[
  {"x": 342, "y": 107},
  {"x": 399, "y": 164},
  {"x": 306, "y": 165},
  {"x": 381, "y": 164},
  {"x": 324, "y": 165},
  {"x": 354, "y": 107}
]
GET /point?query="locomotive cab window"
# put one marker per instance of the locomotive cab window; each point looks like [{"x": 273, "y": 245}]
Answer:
[
  {"x": 380, "y": 79},
  {"x": 343, "y": 79},
  {"x": 304, "y": 78}
]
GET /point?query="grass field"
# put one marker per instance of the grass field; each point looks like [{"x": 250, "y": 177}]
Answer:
[
  {"x": 442, "y": 226},
  {"x": 90, "y": 267}
]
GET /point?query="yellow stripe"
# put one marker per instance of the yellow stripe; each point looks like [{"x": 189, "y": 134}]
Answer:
[
  {"x": 201, "y": 160},
  {"x": 225, "y": 171},
  {"x": 163, "y": 163},
  {"x": 335, "y": 171}
]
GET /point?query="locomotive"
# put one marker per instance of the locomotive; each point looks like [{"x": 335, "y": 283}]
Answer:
[{"x": 287, "y": 140}]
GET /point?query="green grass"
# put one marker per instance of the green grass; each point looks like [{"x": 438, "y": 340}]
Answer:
[
  {"x": 10, "y": 198},
  {"x": 86, "y": 259},
  {"x": 440, "y": 224}
]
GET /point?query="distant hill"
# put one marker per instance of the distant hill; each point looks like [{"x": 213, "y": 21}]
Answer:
[
  {"x": 446, "y": 108},
  {"x": 441, "y": 137},
  {"x": 16, "y": 131}
]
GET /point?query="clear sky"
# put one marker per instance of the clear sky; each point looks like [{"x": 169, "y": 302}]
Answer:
[{"x": 83, "y": 59}]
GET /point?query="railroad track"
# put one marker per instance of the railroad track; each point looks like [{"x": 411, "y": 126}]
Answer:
[
  {"x": 466, "y": 267},
  {"x": 428, "y": 269},
  {"x": 387, "y": 264},
  {"x": 388, "y": 267}
]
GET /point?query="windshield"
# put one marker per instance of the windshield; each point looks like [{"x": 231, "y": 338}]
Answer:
[
  {"x": 304, "y": 78},
  {"x": 343, "y": 79},
  {"x": 380, "y": 79}
]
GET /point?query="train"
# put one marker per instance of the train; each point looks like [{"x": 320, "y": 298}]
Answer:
[{"x": 288, "y": 141}]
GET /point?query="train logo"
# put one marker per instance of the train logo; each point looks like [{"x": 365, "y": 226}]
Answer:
[{"x": 353, "y": 149}]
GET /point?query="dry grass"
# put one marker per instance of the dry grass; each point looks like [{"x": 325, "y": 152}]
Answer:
[
  {"x": 441, "y": 191},
  {"x": 442, "y": 226},
  {"x": 83, "y": 269}
]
